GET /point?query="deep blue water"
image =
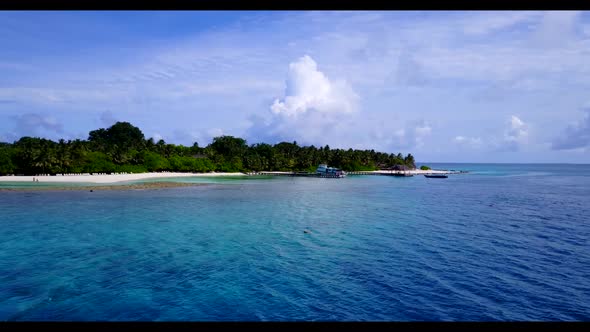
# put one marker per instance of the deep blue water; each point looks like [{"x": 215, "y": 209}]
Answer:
[{"x": 504, "y": 242}]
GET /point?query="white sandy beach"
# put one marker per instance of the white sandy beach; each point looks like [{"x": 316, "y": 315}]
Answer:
[
  {"x": 106, "y": 178},
  {"x": 114, "y": 178}
]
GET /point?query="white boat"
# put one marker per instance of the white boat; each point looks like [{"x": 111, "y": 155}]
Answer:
[{"x": 329, "y": 172}]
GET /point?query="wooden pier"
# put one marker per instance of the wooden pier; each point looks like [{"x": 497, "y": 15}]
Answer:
[
  {"x": 315, "y": 175},
  {"x": 382, "y": 173},
  {"x": 299, "y": 174},
  {"x": 392, "y": 173}
]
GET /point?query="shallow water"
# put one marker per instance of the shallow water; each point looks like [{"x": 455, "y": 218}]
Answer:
[{"x": 504, "y": 242}]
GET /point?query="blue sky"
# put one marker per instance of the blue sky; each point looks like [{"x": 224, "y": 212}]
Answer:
[{"x": 478, "y": 86}]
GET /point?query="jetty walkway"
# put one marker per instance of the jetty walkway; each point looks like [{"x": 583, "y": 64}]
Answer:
[{"x": 381, "y": 173}]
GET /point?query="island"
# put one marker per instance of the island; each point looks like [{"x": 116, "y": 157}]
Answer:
[{"x": 122, "y": 153}]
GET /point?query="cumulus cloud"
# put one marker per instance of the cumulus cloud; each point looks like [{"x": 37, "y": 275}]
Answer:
[
  {"x": 314, "y": 109},
  {"x": 308, "y": 89},
  {"x": 574, "y": 136},
  {"x": 517, "y": 131},
  {"x": 515, "y": 135}
]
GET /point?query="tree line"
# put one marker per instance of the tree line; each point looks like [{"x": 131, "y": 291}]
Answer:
[{"x": 124, "y": 148}]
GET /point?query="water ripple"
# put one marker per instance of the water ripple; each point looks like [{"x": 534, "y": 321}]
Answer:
[{"x": 504, "y": 243}]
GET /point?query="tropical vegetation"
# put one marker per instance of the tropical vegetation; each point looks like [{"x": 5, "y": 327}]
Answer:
[{"x": 124, "y": 148}]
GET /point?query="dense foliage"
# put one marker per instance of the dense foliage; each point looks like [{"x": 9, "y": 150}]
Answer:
[
  {"x": 123, "y": 148},
  {"x": 425, "y": 168}
]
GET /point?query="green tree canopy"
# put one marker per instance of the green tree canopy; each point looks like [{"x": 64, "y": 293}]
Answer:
[{"x": 123, "y": 148}]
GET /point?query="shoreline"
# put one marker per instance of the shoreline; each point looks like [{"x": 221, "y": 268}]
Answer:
[
  {"x": 133, "y": 186},
  {"x": 118, "y": 178},
  {"x": 106, "y": 178}
]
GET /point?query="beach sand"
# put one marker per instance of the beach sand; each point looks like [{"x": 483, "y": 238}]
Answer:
[
  {"x": 106, "y": 178},
  {"x": 117, "y": 178}
]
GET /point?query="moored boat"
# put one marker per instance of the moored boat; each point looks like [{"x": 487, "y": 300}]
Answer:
[
  {"x": 329, "y": 172},
  {"x": 436, "y": 176},
  {"x": 403, "y": 174}
]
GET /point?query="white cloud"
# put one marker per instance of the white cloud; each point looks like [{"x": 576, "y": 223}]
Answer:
[
  {"x": 157, "y": 137},
  {"x": 472, "y": 142},
  {"x": 314, "y": 109},
  {"x": 308, "y": 89},
  {"x": 518, "y": 131},
  {"x": 515, "y": 136}
]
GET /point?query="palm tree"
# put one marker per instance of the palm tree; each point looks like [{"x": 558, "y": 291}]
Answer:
[
  {"x": 64, "y": 156},
  {"x": 47, "y": 157},
  {"x": 409, "y": 161}
]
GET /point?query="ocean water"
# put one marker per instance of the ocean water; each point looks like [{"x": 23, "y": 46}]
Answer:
[{"x": 502, "y": 243}]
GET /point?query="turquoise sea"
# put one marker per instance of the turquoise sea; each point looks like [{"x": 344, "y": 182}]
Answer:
[{"x": 505, "y": 242}]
